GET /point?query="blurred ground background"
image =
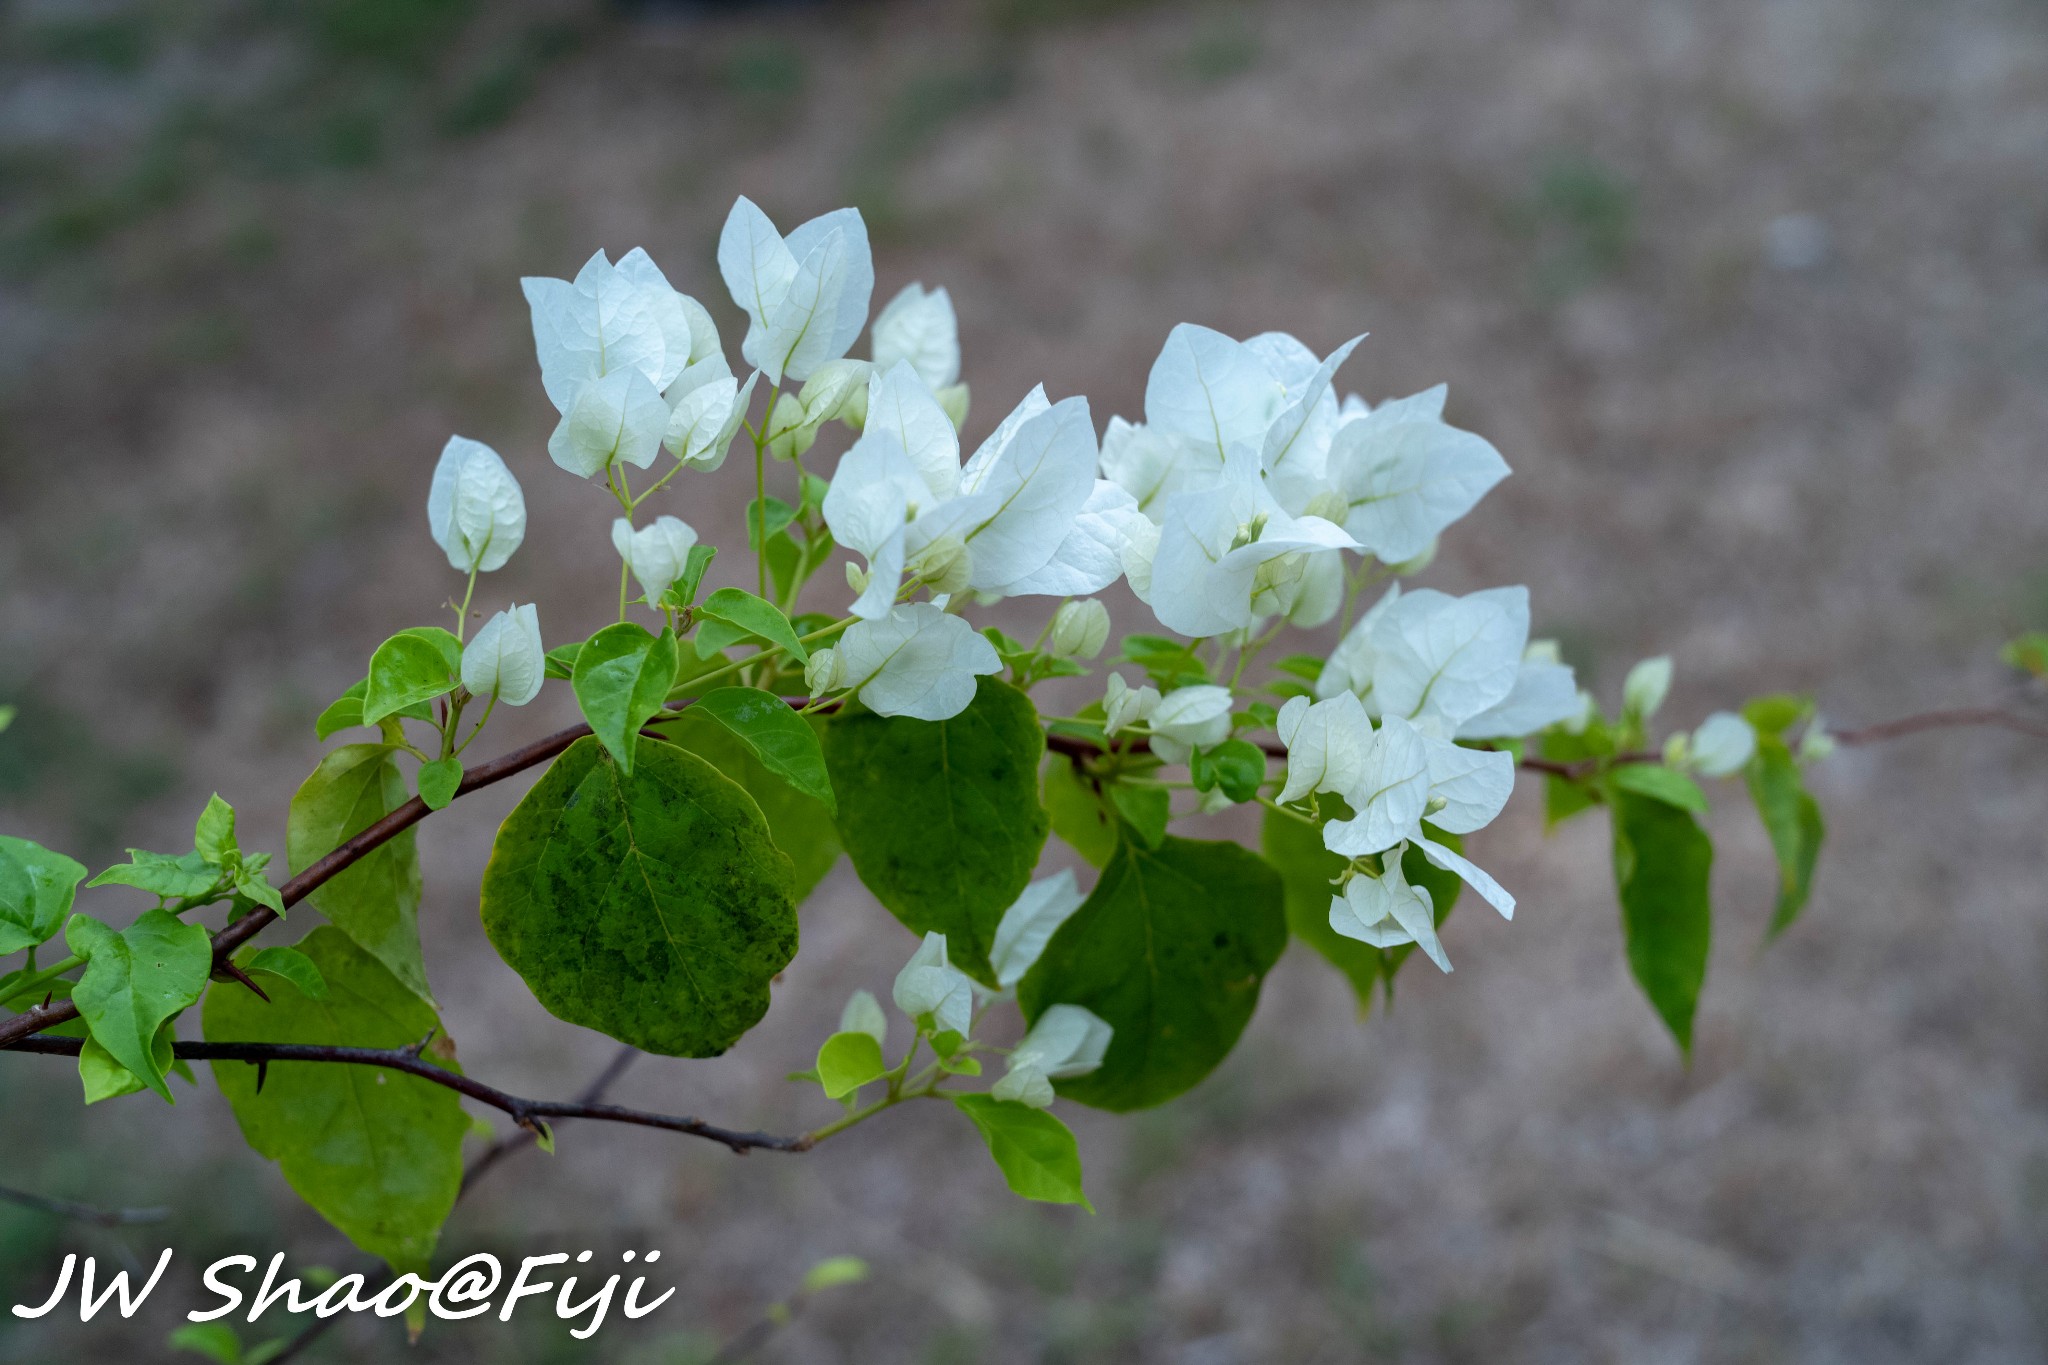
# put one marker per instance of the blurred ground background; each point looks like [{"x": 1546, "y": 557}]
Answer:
[{"x": 1754, "y": 298}]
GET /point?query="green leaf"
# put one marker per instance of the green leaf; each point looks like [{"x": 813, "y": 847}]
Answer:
[
  {"x": 1077, "y": 813},
  {"x": 214, "y": 835},
  {"x": 1236, "y": 765},
  {"x": 1775, "y": 715},
  {"x": 1660, "y": 783},
  {"x": 800, "y": 825},
  {"x": 290, "y": 964},
  {"x": 342, "y": 713},
  {"x": 783, "y": 555},
  {"x": 712, "y": 636},
  {"x": 375, "y": 901},
  {"x": 1661, "y": 863},
  {"x": 412, "y": 667},
  {"x": 1168, "y": 661},
  {"x": 652, "y": 907},
  {"x": 694, "y": 564},
  {"x": 562, "y": 660},
  {"x": 214, "y": 1340},
  {"x": 36, "y": 890},
  {"x": 833, "y": 1272},
  {"x": 766, "y": 517},
  {"x": 2027, "y": 652},
  {"x": 622, "y": 678},
  {"x": 103, "y": 1078},
  {"x": 848, "y": 1061},
  {"x": 376, "y": 1152},
  {"x": 755, "y": 616},
  {"x": 252, "y": 883},
  {"x": 438, "y": 781},
  {"x": 1169, "y": 950},
  {"x": 1306, "y": 869},
  {"x": 784, "y": 741},
  {"x": 135, "y": 980},
  {"x": 942, "y": 819},
  {"x": 1035, "y": 1151},
  {"x": 173, "y": 878},
  {"x": 1792, "y": 819},
  {"x": 1145, "y": 810},
  {"x": 1308, "y": 667},
  {"x": 1564, "y": 797}
]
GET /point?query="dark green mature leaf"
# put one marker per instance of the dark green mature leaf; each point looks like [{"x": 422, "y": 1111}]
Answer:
[
  {"x": 653, "y": 907},
  {"x": 622, "y": 678},
  {"x": 173, "y": 878},
  {"x": 1660, "y": 783},
  {"x": 1168, "y": 661},
  {"x": 1077, "y": 813},
  {"x": 1169, "y": 950},
  {"x": 562, "y": 660},
  {"x": 377, "y": 1153},
  {"x": 784, "y": 741},
  {"x": 1793, "y": 821},
  {"x": 848, "y": 1061},
  {"x": 1661, "y": 864},
  {"x": 376, "y": 901},
  {"x": 36, "y": 888},
  {"x": 941, "y": 818},
  {"x": 1035, "y": 1151},
  {"x": 1564, "y": 797},
  {"x": 136, "y": 979},
  {"x": 800, "y": 825},
  {"x": 438, "y": 781},
  {"x": 766, "y": 517},
  {"x": 756, "y": 616},
  {"x": 412, "y": 667},
  {"x": 1236, "y": 765}
]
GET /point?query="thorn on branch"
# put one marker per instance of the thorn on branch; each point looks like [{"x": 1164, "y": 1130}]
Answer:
[
  {"x": 230, "y": 970},
  {"x": 262, "y": 1075}
]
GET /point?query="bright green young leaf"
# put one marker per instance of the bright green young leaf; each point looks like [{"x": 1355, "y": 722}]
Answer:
[
  {"x": 377, "y": 1153},
  {"x": 1145, "y": 810},
  {"x": 342, "y": 713},
  {"x": 622, "y": 678},
  {"x": 36, "y": 888},
  {"x": 1775, "y": 715},
  {"x": 942, "y": 819},
  {"x": 1035, "y": 1151},
  {"x": 1660, "y": 783},
  {"x": 652, "y": 907},
  {"x": 848, "y": 1061},
  {"x": 562, "y": 660},
  {"x": 136, "y": 979},
  {"x": 833, "y": 1272},
  {"x": 1563, "y": 798},
  {"x": 1661, "y": 864},
  {"x": 376, "y": 901},
  {"x": 290, "y": 964},
  {"x": 214, "y": 1340},
  {"x": 767, "y": 518},
  {"x": 1077, "y": 813},
  {"x": 103, "y": 1078},
  {"x": 782, "y": 740},
  {"x": 784, "y": 554},
  {"x": 800, "y": 825},
  {"x": 694, "y": 564},
  {"x": 1167, "y": 661},
  {"x": 250, "y": 882},
  {"x": 1238, "y": 766},
  {"x": 2027, "y": 652},
  {"x": 412, "y": 667},
  {"x": 1793, "y": 821},
  {"x": 1169, "y": 950},
  {"x": 438, "y": 781},
  {"x": 173, "y": 878},
  {"x": 755, "y": 616},
  {"x": 213, "y": 837}
]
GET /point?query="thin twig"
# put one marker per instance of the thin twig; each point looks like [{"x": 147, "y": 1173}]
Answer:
[
  {"x": 527, "y": 1113},
  {"x": 1942, "y": 720},
  {"x": 82, "y": 1213}
]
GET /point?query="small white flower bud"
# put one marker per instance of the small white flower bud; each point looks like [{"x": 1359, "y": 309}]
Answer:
[
  {"x": 856, "y": 578},
  {"x": 1722, "y": 745},
  {"x": 506, "y": 658},
  {"x": 1330, "y": 505},
  {"x": 1816, "y": 744},
  {"x": 863, "y": 1014},
  {"x": 821, "y": 674},
  {"x": 475, "y": 508},
  {"x": 944, "y": 566},
  {"x": 1080, "y": 629},
  {"x": 656, "y": 553},
  {"x": 1124, "y": 706},
  {"x": 1648, "y": 683}
]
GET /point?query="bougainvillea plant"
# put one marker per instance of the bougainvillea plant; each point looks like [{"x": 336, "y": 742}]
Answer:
[{"x": 647, "y": 885}]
